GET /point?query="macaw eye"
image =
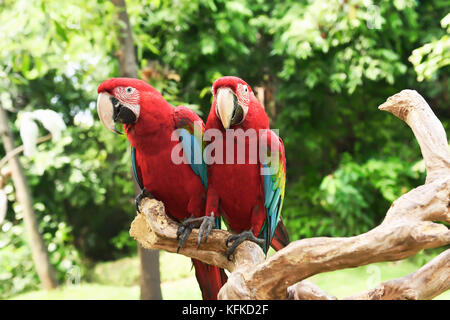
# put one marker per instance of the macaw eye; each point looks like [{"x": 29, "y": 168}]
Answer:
[
  {"x": 129, "y": 89},
  {"x": 242, "y": 89}
]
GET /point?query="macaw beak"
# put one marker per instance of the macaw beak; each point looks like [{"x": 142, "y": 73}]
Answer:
[
  {"x": 228, "y": 109},
  {"x": 110, "y": 110}
]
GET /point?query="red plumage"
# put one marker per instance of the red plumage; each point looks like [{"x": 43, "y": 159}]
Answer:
[
  {"x": 236, "y": 191},
  {"x": 176, "y": 185}
]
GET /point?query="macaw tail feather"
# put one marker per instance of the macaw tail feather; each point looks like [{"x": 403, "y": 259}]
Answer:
[
  {"x": 281, "y": 237},
  {"x": 210, "y": 279}
]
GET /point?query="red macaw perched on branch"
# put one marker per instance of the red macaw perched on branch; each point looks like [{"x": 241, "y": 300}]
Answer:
[
  {"x": 150, "y": 122},
  {"x": 248, "y": 194}
]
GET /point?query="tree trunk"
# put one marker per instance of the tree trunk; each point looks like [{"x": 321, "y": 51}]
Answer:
[
  {"x": 44, "y": 269},
  {"x": 265, "y": 93},
  {"x": 126, "y": 55},
  {"x": 150, "y": 279},
  {"x": 150, "y": 282}
]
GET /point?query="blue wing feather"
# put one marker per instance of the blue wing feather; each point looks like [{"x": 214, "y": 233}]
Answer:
[
  {"x": 194, "y": 155},
  {"x": 192, "y": 143}
]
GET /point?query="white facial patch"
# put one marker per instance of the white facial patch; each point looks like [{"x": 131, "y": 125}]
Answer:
[
  {"x": 243, "y": 95},
  {"x": 129, "y": 97}
]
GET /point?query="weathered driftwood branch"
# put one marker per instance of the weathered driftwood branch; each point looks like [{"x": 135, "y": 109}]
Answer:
[
  {"x": 411, "y": 107},
  {"x": 409, "y": 227},
  {"x": 153, "y": 229},
  {"x": 426, "y": 283}
]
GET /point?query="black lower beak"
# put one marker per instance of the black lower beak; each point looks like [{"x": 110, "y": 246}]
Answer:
[
  {"x": 238, "y": 112},
  {"x": 122, "y": 114}
]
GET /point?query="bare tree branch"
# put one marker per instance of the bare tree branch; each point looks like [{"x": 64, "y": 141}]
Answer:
[
  {"x": 424, "y": 284},
  {"x": 19, "y": 150},
  {"x": 409, "y": 227},
  {"x": 5, "y": 173}
]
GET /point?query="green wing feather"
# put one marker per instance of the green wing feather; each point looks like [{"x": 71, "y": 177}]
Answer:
[{"x": 274, "y": 178}]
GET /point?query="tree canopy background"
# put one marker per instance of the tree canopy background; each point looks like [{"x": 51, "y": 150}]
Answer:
[{"x": 325, "y": 66}]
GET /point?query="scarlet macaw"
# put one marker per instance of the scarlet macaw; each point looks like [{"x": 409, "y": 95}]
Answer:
[
  {"x": 149, "y": 122},
  {"x": 249, "y": 200}
]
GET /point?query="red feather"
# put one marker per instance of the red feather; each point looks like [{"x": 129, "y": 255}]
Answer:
[
  {"x": 177, "y": 186},
  {"x": 237, "y": 190}
]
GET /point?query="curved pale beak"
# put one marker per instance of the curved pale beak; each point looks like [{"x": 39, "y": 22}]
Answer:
[
  {"x": 105, "y": 110},
  {"x": 227, "y": 108}
]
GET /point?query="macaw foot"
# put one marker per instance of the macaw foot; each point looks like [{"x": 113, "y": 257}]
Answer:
[
  {"x": 205, "y": 225},
  {"x": 144, "y": 194},
  {"x": 237, "y": 239}
]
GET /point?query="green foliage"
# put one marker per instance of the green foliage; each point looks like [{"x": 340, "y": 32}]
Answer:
[
  {"x": 434, "y": 55},
  {"x": 18, "y": 272},
  {"x": 339, "y": 43},
  {"x": 355, "y": 196},
  {"x": 42, "y": 35},
  {"x": 16, "y": 264},
  {"x": 90, "y": 185}
]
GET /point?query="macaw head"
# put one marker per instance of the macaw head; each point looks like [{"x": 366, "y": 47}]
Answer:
[
  {"x": 236, "y": 105},
  {"x": 132, "y": 102}
]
